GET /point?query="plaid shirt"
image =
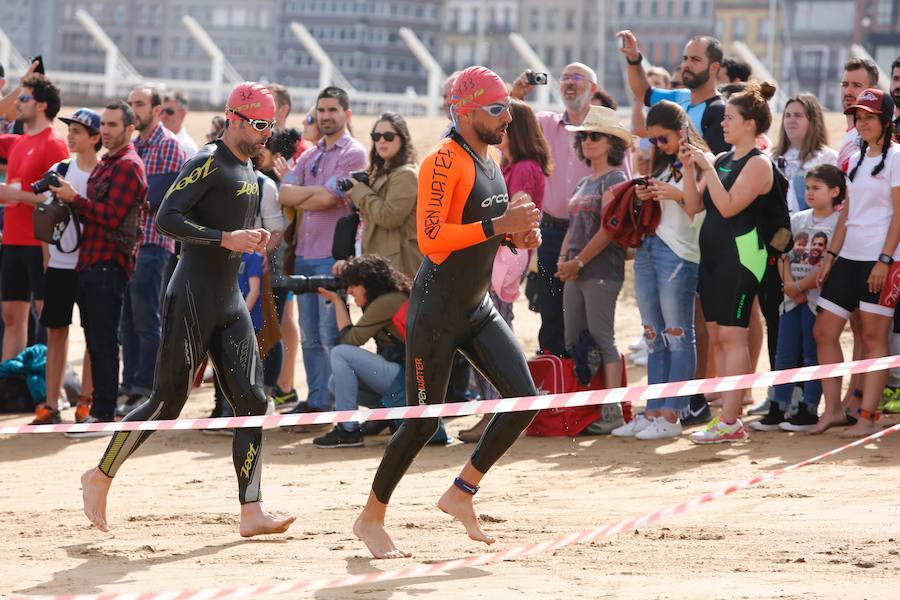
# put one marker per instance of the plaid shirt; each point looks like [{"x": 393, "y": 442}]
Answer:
[
  {"x": 163, "y": 156},
  {"x": 115, "y": 185}
]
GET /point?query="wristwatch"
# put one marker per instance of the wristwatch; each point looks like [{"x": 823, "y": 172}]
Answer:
[
  {"x": 886, "y": 259},
  {"x": 635, "y": 62},
  {"x": 579, "y": 262}
]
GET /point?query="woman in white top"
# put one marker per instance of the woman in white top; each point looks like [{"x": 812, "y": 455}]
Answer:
[
  {"x": 859, "y": 270},
  {"x": 801, "y": 146},
  {"x": 665, "y": 275}
]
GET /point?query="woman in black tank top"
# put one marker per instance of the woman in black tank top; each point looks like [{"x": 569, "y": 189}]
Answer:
[{"x": 732, "y": 256}]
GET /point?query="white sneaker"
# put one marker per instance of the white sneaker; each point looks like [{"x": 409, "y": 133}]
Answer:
[
  {"x": 659, "y": 429},
  {"x": 639, "y": 358},
  {"x": 638, "y": 344},
  {"x": 633, "y": 427}
]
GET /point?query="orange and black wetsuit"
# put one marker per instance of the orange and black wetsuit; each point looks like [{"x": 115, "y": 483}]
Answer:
[
  {"x": 203, "y": 312},
  {"x": 450, "y": 309}
]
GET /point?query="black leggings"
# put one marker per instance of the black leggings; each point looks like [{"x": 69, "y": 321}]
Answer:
[
  {"x": 191, "y": 329},
  {"x": 487, "y": 341}
]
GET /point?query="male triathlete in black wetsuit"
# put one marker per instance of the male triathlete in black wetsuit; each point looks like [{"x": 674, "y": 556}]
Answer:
[
  {"x": 210, "y": 209},
  {"x": 462, "y": 215}
]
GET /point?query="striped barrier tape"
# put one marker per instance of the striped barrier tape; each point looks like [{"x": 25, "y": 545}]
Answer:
[
  {"x": 424, "y": 570},
  {"x": 457, "y": 409}
]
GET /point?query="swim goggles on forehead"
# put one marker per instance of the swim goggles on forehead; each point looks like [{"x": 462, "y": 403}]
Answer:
[{"x": 257, "y": 124}]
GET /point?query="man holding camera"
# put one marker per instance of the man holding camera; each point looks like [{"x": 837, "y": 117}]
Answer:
[
  {"x": 60, "y": 278},
  {"x": 29, "y": 157},
  {"x": 323, "y": 203},
  {"x": 577, "y": 86}
]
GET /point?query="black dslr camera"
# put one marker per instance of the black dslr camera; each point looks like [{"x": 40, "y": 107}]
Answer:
[
  {"x": 43, "y": 184},
  {"x": 301, "y": 284},
  {"x": 347, "y": 182}
]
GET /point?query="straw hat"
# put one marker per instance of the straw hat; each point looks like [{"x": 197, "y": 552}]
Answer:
[{"x": 605, "y": 120}]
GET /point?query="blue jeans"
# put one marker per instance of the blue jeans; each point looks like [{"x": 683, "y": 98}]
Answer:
[
  {"x": 551, "y": 336},
  {"x": 141, "y": 321},
  {"x": 665, "y": 286},
  {"x": 99, "y": 295},
  {"x": 318, "y": 334},
  {"x": 797, "y": 348},
  {"x": 352, "y": 365}
]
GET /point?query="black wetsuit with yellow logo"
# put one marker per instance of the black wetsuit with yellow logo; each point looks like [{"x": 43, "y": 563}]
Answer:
[
  {"x": 450, "y": 309},
  {"x": 203, "y": 309}
]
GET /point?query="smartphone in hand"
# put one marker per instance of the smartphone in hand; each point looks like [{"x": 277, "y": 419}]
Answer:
[{"x": 40, "y": 64}]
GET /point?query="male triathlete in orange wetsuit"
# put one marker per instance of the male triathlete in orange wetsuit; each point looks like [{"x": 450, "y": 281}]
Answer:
[{"x": 463, "y": 214}]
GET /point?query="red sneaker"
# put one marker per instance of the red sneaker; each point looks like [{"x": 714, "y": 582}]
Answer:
[
  {"x": 83, "y": 408},
  {"x": 45, "y": 414}
]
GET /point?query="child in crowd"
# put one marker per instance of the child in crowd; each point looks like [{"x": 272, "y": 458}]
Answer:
[
  {"x": 825, "y": 189},
  {"x": 250, "y": 282}
]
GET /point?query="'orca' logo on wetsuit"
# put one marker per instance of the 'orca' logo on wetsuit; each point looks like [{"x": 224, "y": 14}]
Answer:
[
  {"x": 248, "y": 188},
  {"x": 495, "y": 199},
  {"x": 252, "y": 451},
  {"x": 201, "y": 172}
]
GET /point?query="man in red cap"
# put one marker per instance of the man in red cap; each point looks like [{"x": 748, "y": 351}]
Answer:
[
  {"x": 210, "y": 209},
  {"x": 463, "y": 214}
]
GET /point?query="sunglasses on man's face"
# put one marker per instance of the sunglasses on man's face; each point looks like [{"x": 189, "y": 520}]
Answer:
[
  {"x": 387, "y": 135},
  {"x": 594, "y": 136},
  {"x": 25, "y": 98},
  {"x": 257, "y": 124},
  {"x": 572, "y": 78},
  {"x": 169, "y": 111}
]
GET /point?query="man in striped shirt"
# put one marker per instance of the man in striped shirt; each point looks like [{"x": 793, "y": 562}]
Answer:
[{"x": 141, "y": 324}]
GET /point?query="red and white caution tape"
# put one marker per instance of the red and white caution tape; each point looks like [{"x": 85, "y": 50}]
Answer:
[
  {"x": 423, "y": 570},
  {"x": 457, "y": 409}
]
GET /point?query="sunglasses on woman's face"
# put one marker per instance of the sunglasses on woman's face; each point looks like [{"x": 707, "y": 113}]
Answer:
[
  {"x": 594, "y": 136},
  {"x": 660, "y": 139},
  {"x": 387, "y": 135}
]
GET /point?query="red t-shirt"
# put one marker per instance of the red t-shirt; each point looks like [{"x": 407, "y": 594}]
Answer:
[{"x": 29, "y": 157}]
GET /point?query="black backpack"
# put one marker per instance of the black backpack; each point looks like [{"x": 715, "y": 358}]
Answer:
[{"x": 773, "y": 219}]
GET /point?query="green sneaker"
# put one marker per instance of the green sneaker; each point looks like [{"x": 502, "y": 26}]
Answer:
[
  {"x": 283, "y": 398},
  {"x": 890, "y": 400}
]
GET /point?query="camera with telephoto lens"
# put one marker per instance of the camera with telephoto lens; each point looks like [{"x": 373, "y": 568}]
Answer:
[
  {"x": 347, "y": 182},
  {"x": 301, "y": 284},
  {"x": 43, "y": 184}
]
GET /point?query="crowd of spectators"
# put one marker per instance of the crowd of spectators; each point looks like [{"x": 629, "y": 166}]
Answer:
[{"x": 707, "y": 277}]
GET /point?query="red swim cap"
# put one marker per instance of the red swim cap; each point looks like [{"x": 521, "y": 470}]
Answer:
[
  {"x": 477, "y": 86},
  {"x": 252, "y": 100}
]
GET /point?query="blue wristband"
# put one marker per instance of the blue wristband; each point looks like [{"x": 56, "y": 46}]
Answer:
[{"x": 465, "y": 486}]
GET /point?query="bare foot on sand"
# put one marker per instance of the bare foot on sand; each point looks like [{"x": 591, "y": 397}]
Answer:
[
  {"x": 828, "y": 420},
  {"x": 458, "y": 505},
  {"x": 862, "y": 428},
  {"x": 256, "y": 521},
  {"x": 94, "y": 489},
  {"x": 373, "y": 534}
]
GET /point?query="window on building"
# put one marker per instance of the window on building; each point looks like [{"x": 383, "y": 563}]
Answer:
[
  {"x": 654, "y": 8},
  {"x": 535, "y": 19},
  {"x": 220, "y": 17},
  {"x": 885, "y": 12},
  {"x": 762, "y": 30},
  {"x": 550, "y": 53},
  {"x": 567, "y": 55},
  {"x": 570, "y": 20},
  {"x": 552, "y": 19},
  {"x": 623, "y": 8},
  {"x": 822, "y": 16},
  {"x": 739, "y": 28},
  {"x": 670, "y": 8},
  {"x": 704, "y": 8},
  {"x": 719, "y": 28}
]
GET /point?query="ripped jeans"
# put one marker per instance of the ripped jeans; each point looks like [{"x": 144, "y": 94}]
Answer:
[{"x": 665, "y": 286}]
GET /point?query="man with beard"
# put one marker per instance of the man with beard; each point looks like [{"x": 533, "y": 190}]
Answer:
[
  {"x": 699, "y": 68},
  {"x": 577, "y": 86},
  {"x": 210, "y": 209},
  {"x": 463, "y": 215},
  {"x": 163, "y": 156},
  {"x": 859, "y": 74},
  {"x": 322, "y": 203}
]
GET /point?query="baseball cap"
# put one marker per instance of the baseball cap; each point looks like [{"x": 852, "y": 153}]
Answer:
[
  {"x": 251, "y": 99},
  {"x": 872, "y": 100},
  {"x": 85, "y": 117}
]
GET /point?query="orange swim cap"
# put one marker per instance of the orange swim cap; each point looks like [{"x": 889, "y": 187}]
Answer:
[
  {"x": 477, "y": 86},
  {"x": 252, "y": 100}
]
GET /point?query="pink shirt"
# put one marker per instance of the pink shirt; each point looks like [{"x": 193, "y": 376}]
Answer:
[{"x": 525, "y": 176}]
